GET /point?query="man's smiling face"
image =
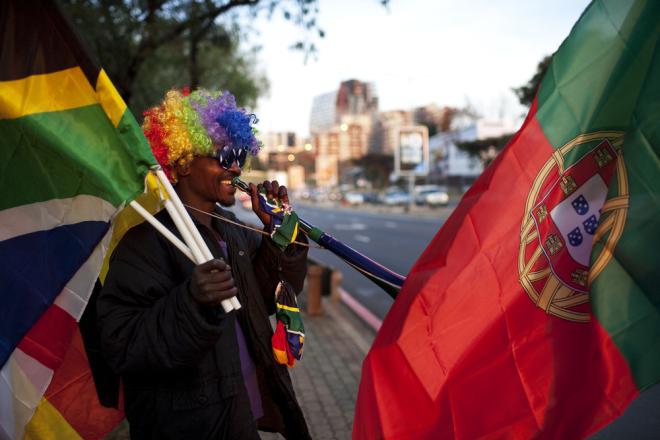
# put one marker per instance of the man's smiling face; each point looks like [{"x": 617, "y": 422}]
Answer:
[{"x": 211, "y": 182}]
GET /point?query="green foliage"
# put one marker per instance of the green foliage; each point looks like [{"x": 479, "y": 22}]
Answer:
[
  {"x": 147, "y": 46},
  {"x": 527, "y": 92},
  {"x": 430, "y": 126},
  {"x": 218, "y": 67},
  {"x": 376, "y": 168},
  {"x": 485, "y": 149}
]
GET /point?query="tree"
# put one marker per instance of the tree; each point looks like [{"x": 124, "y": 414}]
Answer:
[
  {"x": 527, "y": 92},
  {"x": 485, "y": 149},
  {"x": 217, "y": 66},
  {"x": 148, "y": 45},
  {"x": 376, "y": 168}
]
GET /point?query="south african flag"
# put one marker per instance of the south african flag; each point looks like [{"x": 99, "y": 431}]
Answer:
[{"x": 71, "y": 155}]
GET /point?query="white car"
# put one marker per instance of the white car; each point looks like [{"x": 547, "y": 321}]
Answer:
[
  {"x": 431, "y": 195},
  {"x": 396, "y": 198},
  {"x": 353, "y": 198}
]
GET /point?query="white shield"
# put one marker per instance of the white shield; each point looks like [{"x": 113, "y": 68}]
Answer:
[{"x": 569, "y": 216}]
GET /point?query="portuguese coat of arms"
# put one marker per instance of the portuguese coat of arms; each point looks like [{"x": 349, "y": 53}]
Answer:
[{"x": 568, "y": 210}]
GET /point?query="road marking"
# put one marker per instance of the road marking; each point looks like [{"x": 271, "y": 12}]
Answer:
[
  {"x": 390, "y": 225},
  {"x": 365, "y": 291},
  {"x": 350, "y": 227},
  {"x": 362, "y": 238}
]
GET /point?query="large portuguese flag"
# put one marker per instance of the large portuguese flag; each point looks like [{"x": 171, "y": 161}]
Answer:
[
  {"x": 71, "y": 155},
  {"x": 535, "y": 310}
]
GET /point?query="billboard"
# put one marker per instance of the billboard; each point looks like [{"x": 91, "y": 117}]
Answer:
[{"x": 411, "y": 155}]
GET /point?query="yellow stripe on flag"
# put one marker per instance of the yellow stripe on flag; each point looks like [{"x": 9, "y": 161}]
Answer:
[
  {"x": 48, "y": 424},
  {"x": 291, "y": 309},
  {"x": 280, "y": 356},
  {"x": 50, "y": 92},
  {"x": 113, "y": 104},
  {"x": 295, "y": 232},
  {"x": 156, "y": 187},
  {"x": 128, "y": 217},
  {"x": 124, "y": 221}
]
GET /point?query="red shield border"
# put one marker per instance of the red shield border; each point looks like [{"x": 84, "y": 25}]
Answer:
[{"x": 561, "y": 263}]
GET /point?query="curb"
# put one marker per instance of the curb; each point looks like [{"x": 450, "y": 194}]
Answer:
[{"x": 361, "y": 311}]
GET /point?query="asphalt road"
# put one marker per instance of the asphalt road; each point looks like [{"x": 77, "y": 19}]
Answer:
[
  {"x": 391, "y": 239},
  {"x": 396, "y": 240}
]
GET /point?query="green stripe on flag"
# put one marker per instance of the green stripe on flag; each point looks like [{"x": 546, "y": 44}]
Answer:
[
  {"x": 625, "y": 296},
  {"x": 77, "y": 151},
  {"x": 606, "y": 76},
  {"x": 595, "y": 78}
]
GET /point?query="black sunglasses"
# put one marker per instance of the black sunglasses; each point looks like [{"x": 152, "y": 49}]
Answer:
[{"x": 227, "y": 156}]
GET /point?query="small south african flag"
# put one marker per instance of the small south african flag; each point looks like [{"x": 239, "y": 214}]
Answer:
[{"x": 290, "y": 333}]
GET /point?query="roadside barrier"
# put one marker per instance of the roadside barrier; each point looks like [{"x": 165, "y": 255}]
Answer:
[{"x": 322, "y": 280}]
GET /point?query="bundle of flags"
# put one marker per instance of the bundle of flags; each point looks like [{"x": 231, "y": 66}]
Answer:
[
  {"x": 289, "y": 333},
  {"x": 71, "y": 155}
]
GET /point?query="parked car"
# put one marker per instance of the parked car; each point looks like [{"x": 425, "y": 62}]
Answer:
[
  {"x": 353, "y": 198},
  {"x": 370, "y": 197},
  {"x": 431, "y": 195},
  {"x": 395, "y": 197}
]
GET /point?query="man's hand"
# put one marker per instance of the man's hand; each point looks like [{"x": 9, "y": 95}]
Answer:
[
  {"x": 274, "y": 191},
  {"x": 211, "y": 283}
]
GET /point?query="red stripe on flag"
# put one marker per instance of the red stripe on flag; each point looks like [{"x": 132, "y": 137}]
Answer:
[
  {"x": 48, "y": 340},
  {"x": 73, "y": 394}
]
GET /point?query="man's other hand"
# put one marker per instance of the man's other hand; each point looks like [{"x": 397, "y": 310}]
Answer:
[{"x": 211, "y": 283}]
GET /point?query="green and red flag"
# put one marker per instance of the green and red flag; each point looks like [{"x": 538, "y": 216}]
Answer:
[
  {"x": 71, "y": 155},
  {"x": 535, "y": 310}
]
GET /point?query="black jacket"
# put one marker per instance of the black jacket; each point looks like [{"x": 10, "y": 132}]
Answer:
[{"x": 179, "y": 365}]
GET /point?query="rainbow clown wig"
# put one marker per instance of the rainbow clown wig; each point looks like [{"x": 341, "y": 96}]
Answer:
[{"x": 201, "y": 123}]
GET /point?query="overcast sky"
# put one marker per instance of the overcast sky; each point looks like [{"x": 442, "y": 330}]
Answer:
[{"x": 416, "y": 52}]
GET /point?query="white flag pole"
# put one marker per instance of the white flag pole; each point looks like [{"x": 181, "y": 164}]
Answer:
[
  {"x": 185, "y": 233},
  {"x": 163, "y": 230},
  {"x": 184, "y": 215},
  {"x": 197, "y": 244}
]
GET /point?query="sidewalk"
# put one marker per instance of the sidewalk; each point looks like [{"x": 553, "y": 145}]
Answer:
[{"x": 326, "y": 379}]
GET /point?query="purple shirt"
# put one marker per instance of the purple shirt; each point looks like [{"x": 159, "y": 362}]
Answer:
[
  {"x": 249, "y": 374},
  {"x": 248, "y": 368}
]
